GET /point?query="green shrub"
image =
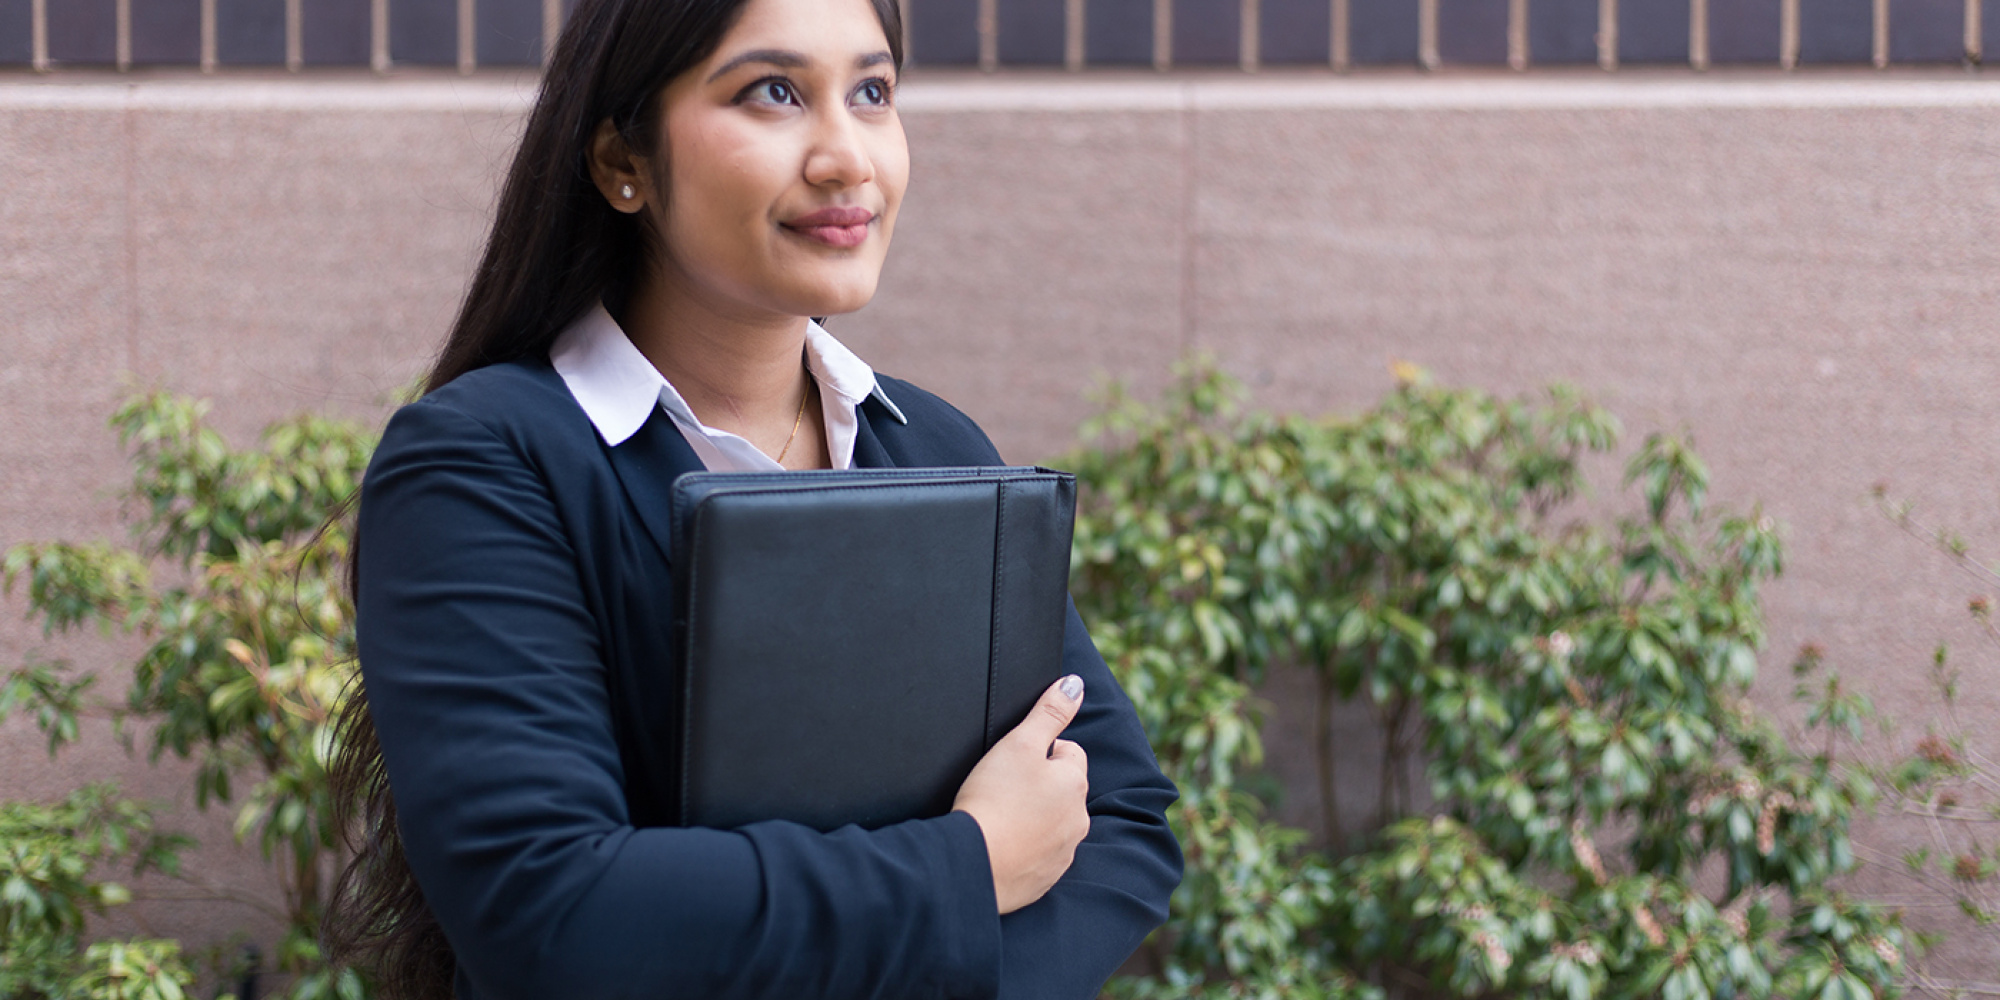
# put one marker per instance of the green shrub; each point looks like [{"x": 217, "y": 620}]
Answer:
[
  {"x": 235, "y": 589},
  {"x": 49, "y": 858},
  {"x": 1575, "y": 693},
  {"x": 1942, "y": 780},
  {"x": 132, "y": 970}
]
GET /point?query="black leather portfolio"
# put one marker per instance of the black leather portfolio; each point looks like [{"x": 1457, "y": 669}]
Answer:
[{"x": 853, "y": 642}]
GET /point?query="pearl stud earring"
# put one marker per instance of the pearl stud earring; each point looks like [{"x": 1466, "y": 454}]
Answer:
[{"x": 625, "y": 192}]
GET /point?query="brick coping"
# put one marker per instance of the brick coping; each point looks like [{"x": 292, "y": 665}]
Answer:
[{"x": 1036, "y": 91}]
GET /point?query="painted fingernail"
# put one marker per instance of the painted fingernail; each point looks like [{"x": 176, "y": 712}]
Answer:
[{"x": 1072, "y": 687}]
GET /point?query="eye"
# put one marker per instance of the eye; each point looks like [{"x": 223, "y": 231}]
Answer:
[
  {"x": 874, "y": 92},
  {"x": 771, "y": 90}
]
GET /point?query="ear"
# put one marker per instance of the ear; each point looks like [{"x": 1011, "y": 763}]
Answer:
[{"x": 620, "y": 174}]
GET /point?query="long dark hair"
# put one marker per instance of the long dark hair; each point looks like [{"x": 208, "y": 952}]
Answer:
[{"x": 556, "y": 249}]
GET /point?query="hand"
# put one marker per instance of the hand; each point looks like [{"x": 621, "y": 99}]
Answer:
[{"x": 1027, "y": 794}]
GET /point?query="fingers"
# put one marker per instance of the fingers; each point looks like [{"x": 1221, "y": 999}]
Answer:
[
  {"x": 1052, "y": 714},
  {"x": 1069, "y": 752}
]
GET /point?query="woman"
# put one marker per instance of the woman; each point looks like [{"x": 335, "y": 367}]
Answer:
[{"x": 697, "y": 179}]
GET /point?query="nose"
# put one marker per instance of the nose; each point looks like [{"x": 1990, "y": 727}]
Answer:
[{"x": 839, "y": 155}]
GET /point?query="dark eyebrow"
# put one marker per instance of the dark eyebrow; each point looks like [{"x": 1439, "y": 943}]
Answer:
[
  {"x": 775, "y": 57},
  {"x": 788, "y": 59}
]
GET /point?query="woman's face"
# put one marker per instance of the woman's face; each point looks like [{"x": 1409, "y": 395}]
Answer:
[{"x": 783, "y": 162}]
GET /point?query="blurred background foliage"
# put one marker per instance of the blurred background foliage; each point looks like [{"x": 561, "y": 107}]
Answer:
[
  {"x": 1575, "y": 800},
  {"x": 233, "y": 582},
  {"x": 1605, "y": 815},
  {"x": 1943, "y": 780},
  {"x": 53, "y": 861}
]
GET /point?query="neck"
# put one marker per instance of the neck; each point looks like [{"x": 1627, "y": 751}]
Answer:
[{"x": 739, "y": 370}]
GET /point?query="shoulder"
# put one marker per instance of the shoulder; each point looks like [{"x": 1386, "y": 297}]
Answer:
[
  {"x": 932, "y": 431},
  {"x": 520, "y": 407},
  {"x": 514, "y": 394}
]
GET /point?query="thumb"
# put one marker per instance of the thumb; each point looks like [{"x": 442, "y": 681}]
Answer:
[{"x": 1052, "y": 713}]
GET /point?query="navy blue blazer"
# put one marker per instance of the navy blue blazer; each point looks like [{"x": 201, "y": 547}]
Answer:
[{"x": 515, "y": 637}]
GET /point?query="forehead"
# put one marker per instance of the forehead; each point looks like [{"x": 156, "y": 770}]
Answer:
[{"x": 836, "y": 30}]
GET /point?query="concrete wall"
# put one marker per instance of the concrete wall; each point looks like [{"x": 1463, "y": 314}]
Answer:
[{"x": 1800, "y": 270}]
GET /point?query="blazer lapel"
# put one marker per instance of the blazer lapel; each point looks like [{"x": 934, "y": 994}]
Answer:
[
  {"x": 650, "y": 460},
  {"x": 647, "y": 464},
  {"x": 868, "y": 450}
]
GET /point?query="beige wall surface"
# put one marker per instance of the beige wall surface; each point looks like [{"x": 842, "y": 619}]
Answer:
[{"x": 1800, "y": 270}]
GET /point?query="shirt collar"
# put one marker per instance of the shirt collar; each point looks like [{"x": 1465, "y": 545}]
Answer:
[{"x": 618, "y": 388}]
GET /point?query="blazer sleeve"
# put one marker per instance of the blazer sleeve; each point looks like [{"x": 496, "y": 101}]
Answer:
[
  {"x": 487, "y": 686},
  {"x": 1066, "y": 944}
]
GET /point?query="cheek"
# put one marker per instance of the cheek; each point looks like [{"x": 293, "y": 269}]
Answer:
[
  {"x": 721, "y": 179},
  {"x": 892, "y": 173}
]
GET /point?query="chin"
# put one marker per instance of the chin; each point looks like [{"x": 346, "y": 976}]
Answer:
[{"x": 832, "y": 298}]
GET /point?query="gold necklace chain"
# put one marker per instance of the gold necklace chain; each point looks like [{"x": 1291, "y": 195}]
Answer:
[{"x": 798, "y": 420}]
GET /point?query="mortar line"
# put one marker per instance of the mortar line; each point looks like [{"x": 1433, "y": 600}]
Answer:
[
  {"x": 1698, "y": 34},
  {"x": 988, "y": 26},
  {"x": 1517, "y": 35},
  {"x": 295, "y": 36},
  {"x": 1879, "y": 51},
  {"x": 1076, "y": 25},
  {"x": 1607, "y": 35},
  {"x": 1190, "y": 190},
  {"x": 552, "y": 22},
  {"x": 1340, "y": 44},
  {"x": 1975, "y": 42},
  {"x": 131, "y": 153},
  {"x": 210, "y": 43},
  {"x": 1064, "y": 92},
  {"x": 38, "y": 35},
  {"x": 468, "y": 37},
  {"x": 1249, "y": 35},
  {"x": 122, "y": 16}
]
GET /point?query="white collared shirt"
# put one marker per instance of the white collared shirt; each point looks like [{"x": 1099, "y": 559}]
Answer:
[{"x": 618, "y": 388}]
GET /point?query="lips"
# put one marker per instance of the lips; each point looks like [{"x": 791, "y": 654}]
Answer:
[{"x": 834, "y": 227}]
